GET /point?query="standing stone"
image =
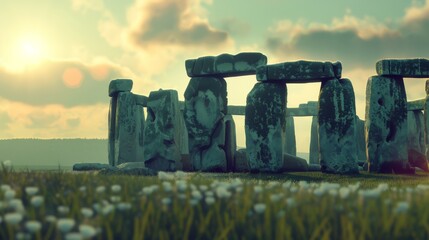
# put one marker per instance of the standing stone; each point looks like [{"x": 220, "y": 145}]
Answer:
[
  {"x": 290, "y": 141},
  {"x": 360, "y": 140},
  {"x": 265, "y": 123},
  {"x": 241, "y": 163},
  {"x": 426, "y": 119},
  {"x": 386, "y": 125},
  {"x": 314, "y": 141},
  {"x": 184, "y": 146},
  {"x": 337, "y": 127},
  {"x": 230, "y": 141},
  {"x": 129, "y": 126},
  {"x": 205, "y": 108},
  {"x": 120, "y": 85},
  {"x": 163, "y": 131},
  {"x": 416, "y": 145}
]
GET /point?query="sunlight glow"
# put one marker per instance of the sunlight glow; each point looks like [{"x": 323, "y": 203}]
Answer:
[{"x": 31, "y": 49}]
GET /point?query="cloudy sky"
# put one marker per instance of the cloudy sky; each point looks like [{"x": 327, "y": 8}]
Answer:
[{"x": 57, "y": 57}]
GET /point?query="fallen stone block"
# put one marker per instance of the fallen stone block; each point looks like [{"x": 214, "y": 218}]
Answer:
[
  {"x": 337, "y": 127},
  {"x": 120, "y": 85},
  {"x": 90, "y": 166},
  {"x": 294, "y": 164},
  {"x": 299, "y": 72},
  {"x": 225, "y": 65},
  {"x": 129, "y": 168},
  {"x": 386, "y": 125},
  {"x": 411, "y": 68}
]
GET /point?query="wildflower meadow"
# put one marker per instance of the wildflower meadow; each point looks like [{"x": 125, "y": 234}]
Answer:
[{"x": 69, "y": 205}]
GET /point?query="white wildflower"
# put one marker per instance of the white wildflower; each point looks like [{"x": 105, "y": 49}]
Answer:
[
  {"x": 165, "y": 176},
  {"x": 7, "y": 164},
  {"x": 37, "y": 201},
  {"x": 108, "y": 208},
  {"x": 87, "y": 212},
  {"x": 196, "y": 195},
  {"x": 9, "y": 194},
  {"x": 74, "y": 236},
  {"x": 291, "y": 202},
  {"x": 116, "y": 188},
  {"x": 293, "y": 189},
  {"x": 82, "y": 189},
  {"x": 63, "y": 210},
  {"x": 166, "y": 201},
  {"x": 100, "y": 189},
  {"x": 166, "y": 186},
  {"x": 31, "y": 190},
  {"x": 181, "y": 185},
  {"x": 422, "y": 187},
  {"x": 209, "y": 200},
  {"x": 13, "y": 218},
  {"x": 257, "y": 189},
  {"x": 318, "y": 192},
  {"x": 354, "y": 187},
  {"x": 222, "y": 192},
  {"x": 333, "y": 192},
  {"x": 22, "y": 236},
  {"x": 287, "y": 185},
  {"x": 65, "y": 224},
  {"x": 303, "y": 185},
  {"x": 369, "y": 193},
  {"x": 259, "y": 207},
  {"x": 17, "y": 205},
  {"x": 180, "y": 175},
  {"x": 204, "y": 188},
  {"x": 33, "y": 226},
  {"x": 382, "y": 187},
  {"x": 123, "y": 206},
  {"x": 87, "y": 231},
  {"x": 209, "y": 194},
  {"x": 272, "y": 184},
  {"x": 275, "y": 197},
  {"x": 5, "y": 187},
  {"x": 401, "y": 207},
  {"x": 150, "y": 189},
  {"x": 51, "y": 218},
  {"x": 115, "y": 199}
]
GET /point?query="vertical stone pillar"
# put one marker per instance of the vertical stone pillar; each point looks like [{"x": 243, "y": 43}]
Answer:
[
  {"x": 265, "y": 122},
  {"x": 416, "y": 143},
  {"x": 230, "y": 142},
  {"x": 426, "y": 119},
  {"x": 205, "y": 108},
  {"x": 163, "y": 131},
  {"x": 314, "y": 141},
  {"x": 337, "y": 127},
  {"x": 125, "y": 124},
  {"x": 290, "y": 141},
  {"x": 360, "y": 140},
  {"x": 386, "y": 125}
]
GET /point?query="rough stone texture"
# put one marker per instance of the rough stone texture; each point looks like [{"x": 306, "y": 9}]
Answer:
[
  {"x": 141, "y": 100},
  {"x": 314, "y": 142},
  {"x": 294, "y": 164},
  {"x": 337, "y": 127},
  {"x": 205, "y": 108},
  {"x": 163, "y": 131},
  {"x": 386, "y": 125},
  {"x": 90, "y": 166},
  {"x": 314, "y": 167},
  {"x": 126, "y": 126},
  {"x": 299, "y": 72},
  {"x": 290, "y": 141},
  {"x": 413, "y": 68},
  {"x": 230, "y": 141},
  {"x": 265, "y": 123},
  {"x": 120, "y": 85},
  {"x": 241, "y": 163},
  {"x": 360, "y": 140},
  {"x": 225, "y": 65},
  {"x": 416, "y": 143},
  {"x": 426, "y": 120}
]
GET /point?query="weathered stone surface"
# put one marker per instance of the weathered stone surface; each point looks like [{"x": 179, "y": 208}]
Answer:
[
  {"x": 141, "y": 100},
  {"x": 360, "y": 140},
  {"x": 413, "y": 68},
  {"x": 386, "y": 125},
  {"x": 314, "y": 142},
  {"x": 337, "y": 127},
  {"x": 90, "y": 166},
  {"x": 298, "y": 72},
  {"x": 129, "y": 168},
  {"x": 111, "y": 128},
  {"x": 241, "y": 163},
  {"x": 416, "y": 140},
  {"x": 426, "y": 121},
  {"x": 230, "y": 141},
  {"x": 163, "y": 131},
  {"x": 225, "y": 65},
  {"x": 294, "y": 164},
  {"x": 126, "y": 130},
  {"x": 416, "y": 104},
  {"x": 290, "y": 141},
  {"x": 205, "y": 108},
  {"x": 265, "y": 123},
  {"x": 120, "y": 85},
  {"x": 314, "y": 168}
]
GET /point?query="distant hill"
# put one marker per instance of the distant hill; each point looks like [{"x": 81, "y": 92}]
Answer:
[{"x": 51, "y": 153}]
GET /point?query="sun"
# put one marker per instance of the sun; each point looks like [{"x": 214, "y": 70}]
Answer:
[{"x": 31, "y": 49}]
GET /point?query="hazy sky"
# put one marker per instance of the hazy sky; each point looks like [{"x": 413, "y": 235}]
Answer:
[{"x": 57, "y": 57}]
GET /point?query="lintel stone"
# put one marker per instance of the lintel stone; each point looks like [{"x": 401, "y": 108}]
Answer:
[
  {"x": 120, "y": 85},
  {"x": 412, "y": 68}
]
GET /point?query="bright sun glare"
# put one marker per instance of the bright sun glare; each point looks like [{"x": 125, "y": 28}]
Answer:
[{"x": 31, "y": 49}]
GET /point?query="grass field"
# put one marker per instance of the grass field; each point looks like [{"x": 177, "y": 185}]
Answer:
[{"x": 67, "y": 205}]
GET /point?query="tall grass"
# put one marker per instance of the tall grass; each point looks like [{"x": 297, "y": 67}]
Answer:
[{"x": 213, "y": 206}]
